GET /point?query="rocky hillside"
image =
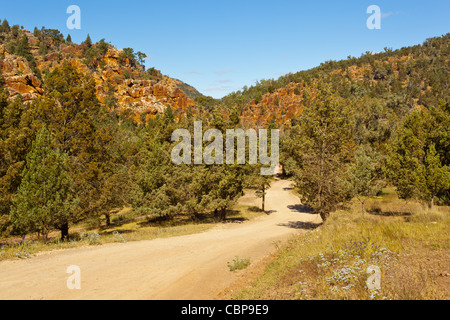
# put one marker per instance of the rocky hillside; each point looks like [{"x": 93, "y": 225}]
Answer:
[
  {"x": 399, "y": 80},
  {"x": 119, "y": 74}
]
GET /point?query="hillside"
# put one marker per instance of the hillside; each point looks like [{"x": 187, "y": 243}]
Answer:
[
  {"x": 121, "y": 80},
  {"x": 400, "y": 80}
]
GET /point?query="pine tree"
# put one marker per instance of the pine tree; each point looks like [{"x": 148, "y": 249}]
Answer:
[
  {"x": 88, "y": 42},
  {"x": 365, "y": 175},
  {"x": 225, "y": 187},
  {"x": 45, "y": 198},
  {"x": 318, "y": 152},
  {"x": 5, "y": 26},
  {"x": 88, "y": 134},
  {"x": 73, "y": 115},
  {"x": 417, "y": 164},
  {"x": 111, "y": 181},
  {"x": 434, "y": 178},
  {"x": 141, "y": 57},
  {"x": 16, "y": 135},
  {"x": 262, "y": 185}
]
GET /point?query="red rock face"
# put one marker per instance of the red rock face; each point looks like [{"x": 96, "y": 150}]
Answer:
[
  {"x": 278, "y": 107},
  {"x": 115, "y": 78},
  {"x": 18, "y": 76}
]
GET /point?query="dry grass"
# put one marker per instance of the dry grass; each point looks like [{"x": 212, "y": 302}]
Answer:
[{"x": 409, "y": 245}]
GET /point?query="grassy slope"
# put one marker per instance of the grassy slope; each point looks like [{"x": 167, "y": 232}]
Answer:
[{"x": 411, "y": 247}]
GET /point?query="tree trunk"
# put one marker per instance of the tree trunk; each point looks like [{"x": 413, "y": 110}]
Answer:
[
  {"x": 108, "y": 219},
  {"x": 431, "y": 204},
  {"x": 223, "y": 214},
  {"x": 324, "y": 216},
  {"x": 64, "y": 231},
  {"x": 44, "y": 234},
  {"x": 195, "y": 216},
  {"x": 263, "y": 201}
]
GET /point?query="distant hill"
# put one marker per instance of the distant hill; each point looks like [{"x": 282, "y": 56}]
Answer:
[
  {"x": 189, "y": 90},
  {"x": 399, "y": 80}
]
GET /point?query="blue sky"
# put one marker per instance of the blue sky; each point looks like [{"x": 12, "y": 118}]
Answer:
[{"x": 218, "y": 46}]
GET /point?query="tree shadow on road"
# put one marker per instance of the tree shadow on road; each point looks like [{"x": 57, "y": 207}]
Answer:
[
  {"x": 301, "y": 208},
  {"x": 301, "y": 225}
]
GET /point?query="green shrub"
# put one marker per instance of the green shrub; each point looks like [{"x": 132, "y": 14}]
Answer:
[
  {"x": 93, "y": 238},
  {"x": 238, "y": 263}
]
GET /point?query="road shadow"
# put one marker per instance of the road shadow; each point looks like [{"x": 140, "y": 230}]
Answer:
[
  {"x": 258, "y": 209},
  {"x": 301, "y": 225},
  {"x": 301, "y": 208},
  {"x": 235, "y": 220}
]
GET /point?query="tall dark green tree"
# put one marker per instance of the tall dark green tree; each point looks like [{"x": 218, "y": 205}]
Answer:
[
  {"x": 318, "y": 151},
  {"x": 365, "y": 175},
  {"x": 5, "y": 26},
  {"x": 46, "y": 198},
  {"x": 83, "y": 130},
  {"x": 16, "y": 135},
  {"x": 88, "y": 41},
  {"x": 262, "y": 184},
  {"x": 418, "y": 162}
]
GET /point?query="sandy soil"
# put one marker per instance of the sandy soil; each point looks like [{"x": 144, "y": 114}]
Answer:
[{"x": 179, "y": 268}]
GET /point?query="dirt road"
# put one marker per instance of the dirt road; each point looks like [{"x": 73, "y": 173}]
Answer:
[{"x": 186, "y": 267}]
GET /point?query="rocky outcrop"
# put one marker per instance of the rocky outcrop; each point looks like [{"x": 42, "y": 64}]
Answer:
[
  {"x": 116, "y": 79},
  {"x": 18, "y": 76},
  {"x": 278, "y": 107}
]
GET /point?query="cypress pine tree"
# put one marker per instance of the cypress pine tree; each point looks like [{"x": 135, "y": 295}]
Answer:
[
  {"x": 86, "y": 132},
  {"x": 45, "y": 198},
  {"x": 88, "y": 41},
  {"x": 417, "y": 164},
  {"x": 365, "y": 176},
  {"x": 16, "y": 136},
  {"x": 318, "y": 150},
  {"x": 5, "y": 26}
]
